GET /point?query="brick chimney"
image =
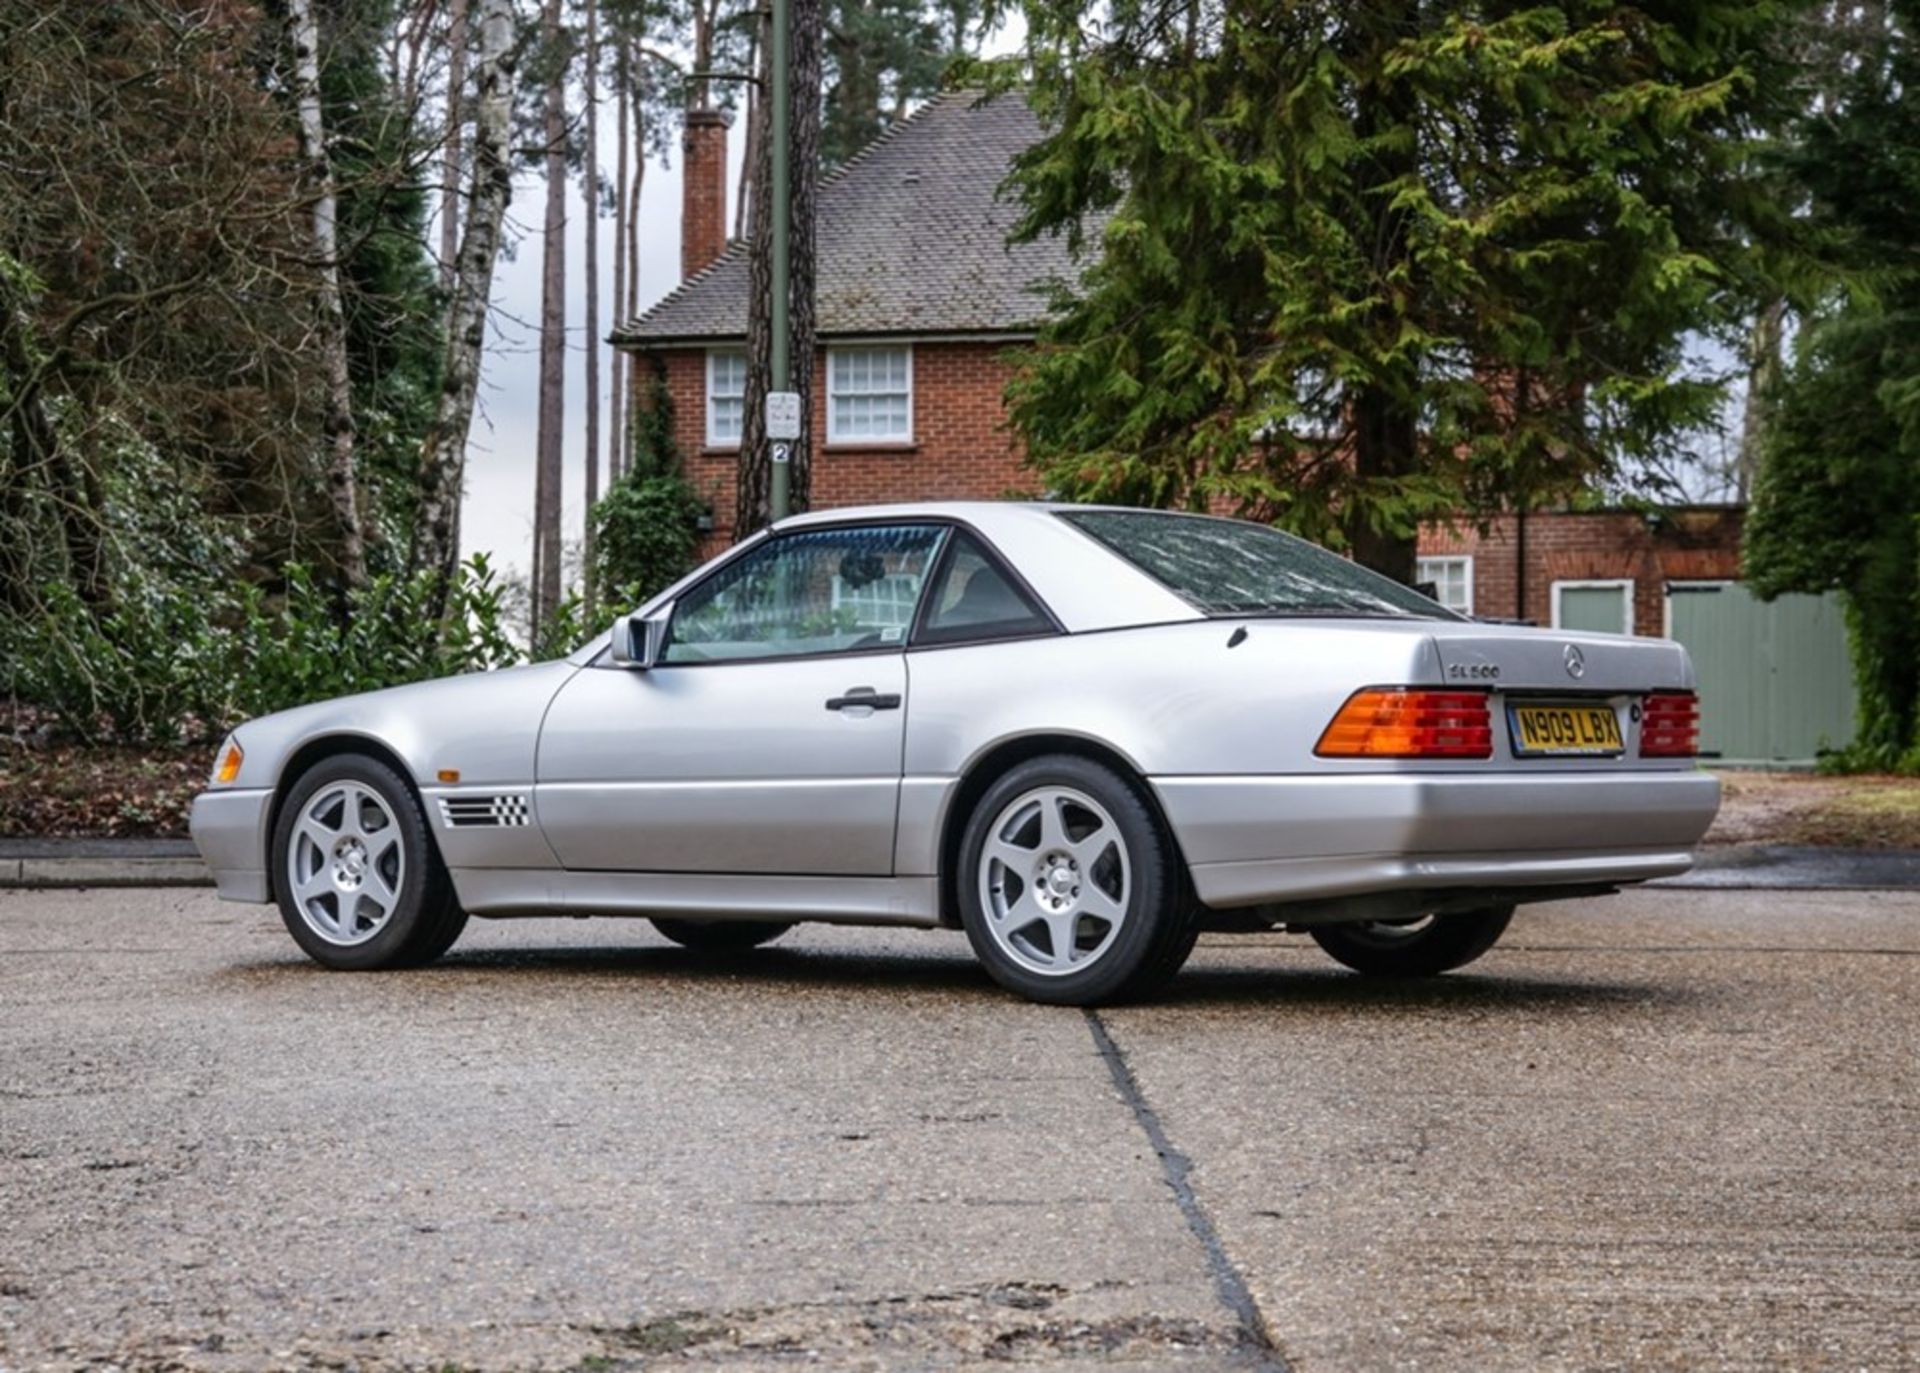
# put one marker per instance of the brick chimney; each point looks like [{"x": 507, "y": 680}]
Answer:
[{"x": 703, "y": 190}]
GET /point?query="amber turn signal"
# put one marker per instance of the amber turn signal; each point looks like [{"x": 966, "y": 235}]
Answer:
[
  {"x": 1401, "y": 722},
  {"x": 229, "y": 767}
]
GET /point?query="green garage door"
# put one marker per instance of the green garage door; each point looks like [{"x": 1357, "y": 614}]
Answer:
[{"x": 1775, "y": 680}]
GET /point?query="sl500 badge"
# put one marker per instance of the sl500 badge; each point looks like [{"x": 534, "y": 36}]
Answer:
[{"x": 1477, "y": 672}]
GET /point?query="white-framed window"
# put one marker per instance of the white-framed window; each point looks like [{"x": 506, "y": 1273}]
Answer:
[
  {"x": 1452, "y": 581},
  {"x": 886, "y": 602},
  {"x": 870, "y": 394},
  {"x": 726, "y": 397},
  {"x": 1603, "y": 606}
]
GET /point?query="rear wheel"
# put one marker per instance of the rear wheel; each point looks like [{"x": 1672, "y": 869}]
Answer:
[
  {"x": 720, "y": 936},
  {"x": 1070, "y": 890},
  {"x": 359, "y": 882},
  {"x": 1425, "y": 947}
]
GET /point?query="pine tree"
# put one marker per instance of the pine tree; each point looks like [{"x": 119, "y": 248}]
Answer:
[
  {"x": 548, "y": 552},
  {"x": 1358, "y": 266},
  {"x": 1837, "y": 500},
  {"x": 752, "y": 506},
  {"x": 436, "y": 546}
]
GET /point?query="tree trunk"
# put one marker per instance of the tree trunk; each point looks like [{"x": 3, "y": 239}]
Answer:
[
  {"x": 1386, "y": 437},
  {"x": 804, "y": 123},
  {"x": 450, "y": 146},
  {"x": 616, "y": 417},
  {"x": 553, "y": 339},
  {"x": 1763, "y": 373},
  {"x": 443, "y": 459},
  {"x": 342, "y": 486},
  {"x": 756, "y": 130},
  {"x": 590, "y": 92},
  {"x": 752, "y": 509},
  {"x": 638, "y": 74}
]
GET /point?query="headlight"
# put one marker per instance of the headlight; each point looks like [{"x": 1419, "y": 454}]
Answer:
[{"x": 227, "y": 766}]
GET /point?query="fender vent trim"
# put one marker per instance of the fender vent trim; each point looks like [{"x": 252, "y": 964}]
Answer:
[{"x": 506, "y": 810}]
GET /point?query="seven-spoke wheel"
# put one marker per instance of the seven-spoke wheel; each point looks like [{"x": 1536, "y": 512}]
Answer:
[
  {"x": 1054, "y": 880},
  {"x": 1069, "y": 888},
  {"x": 358, "y": 879},
  {"x": 345, "y": 863}
]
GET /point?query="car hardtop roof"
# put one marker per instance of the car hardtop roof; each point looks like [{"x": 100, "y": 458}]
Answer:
[{"x": 983, "y": 513}]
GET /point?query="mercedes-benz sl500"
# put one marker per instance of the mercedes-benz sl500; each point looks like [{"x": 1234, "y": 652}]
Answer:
[{"x": 1082, "y": 735}]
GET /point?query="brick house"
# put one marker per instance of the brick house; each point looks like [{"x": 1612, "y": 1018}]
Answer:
[{"x": 919, "y": 296}]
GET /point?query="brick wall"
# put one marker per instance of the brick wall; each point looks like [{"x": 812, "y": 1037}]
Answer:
[
  {"x": 1608, "y": 545},
  {"x": 961, "y": 449}
]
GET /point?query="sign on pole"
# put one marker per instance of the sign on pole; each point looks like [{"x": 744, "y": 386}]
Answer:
[{"x": 783, "y": 416}]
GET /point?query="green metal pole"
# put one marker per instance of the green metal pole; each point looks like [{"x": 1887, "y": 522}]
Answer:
[{"x": 779, "y": 212}]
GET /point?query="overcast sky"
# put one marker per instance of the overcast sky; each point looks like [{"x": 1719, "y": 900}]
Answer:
[{"x": 498, "y": 517}]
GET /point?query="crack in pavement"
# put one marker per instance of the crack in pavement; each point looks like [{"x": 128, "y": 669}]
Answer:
[{"x": 1229, "y": 1284}]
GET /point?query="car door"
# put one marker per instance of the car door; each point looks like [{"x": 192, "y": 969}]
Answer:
[{"x": 768, "y": 738}]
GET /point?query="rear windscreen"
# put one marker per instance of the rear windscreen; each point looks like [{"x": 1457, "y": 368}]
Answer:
[{"x": 1231, "y": 567}]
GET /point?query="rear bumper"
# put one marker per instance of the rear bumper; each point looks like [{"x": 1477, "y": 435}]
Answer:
[
  {"x": 1252, "y": 840},
  {"x": 229, "y": 829}
]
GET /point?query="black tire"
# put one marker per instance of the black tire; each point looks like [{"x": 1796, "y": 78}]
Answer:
[
  {"x": 425, "y": 918},
  {"x": 1144, "y": 948},
  {"x": 720, "y": 936},
  {"x": 1439, "y": 945}
]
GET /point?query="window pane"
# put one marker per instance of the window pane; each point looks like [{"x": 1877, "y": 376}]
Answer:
[
  {"x": 1601, "y": 609},
  {"x": 1231, "y": 567},
  {"x": 975, "y": 601},
  {"x": 726, "y": 389},
  {"x": 869, "y": 393},
  {"x": 1452, "y": 582},
  {"x": 824, "y": 591}
]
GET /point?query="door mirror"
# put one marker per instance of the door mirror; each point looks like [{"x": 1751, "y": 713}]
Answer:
[{"x": 639, "y": 639}]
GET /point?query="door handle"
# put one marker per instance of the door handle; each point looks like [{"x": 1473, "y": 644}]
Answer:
[{"x": 865, "y": 696}]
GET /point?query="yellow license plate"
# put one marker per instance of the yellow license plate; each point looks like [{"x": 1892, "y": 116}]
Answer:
[{"x": 1563, "y": 729}]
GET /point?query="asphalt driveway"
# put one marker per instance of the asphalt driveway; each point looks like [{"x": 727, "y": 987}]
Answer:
[{"x": 1675, "y": 1128}]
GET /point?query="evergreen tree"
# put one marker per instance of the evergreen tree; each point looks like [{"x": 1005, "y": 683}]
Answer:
[
  {"x": 1360, "y": 265},
  {"x": 1837, "y": 502},
  {"x": 881, "y": 57}
]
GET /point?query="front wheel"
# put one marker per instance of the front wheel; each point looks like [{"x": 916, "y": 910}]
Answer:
[
  {"x": 359, "y": 881},
  {"x": 1070, "y": 889},
  {"x": 1426, "y": 947}
]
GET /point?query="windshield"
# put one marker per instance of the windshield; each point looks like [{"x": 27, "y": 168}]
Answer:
[{"x": 1231, "y": 567}]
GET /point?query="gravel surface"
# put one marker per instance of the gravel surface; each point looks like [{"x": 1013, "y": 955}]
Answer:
[{"x": 1669, "y": 1129}]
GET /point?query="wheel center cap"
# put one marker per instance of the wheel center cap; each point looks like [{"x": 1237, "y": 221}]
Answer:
[
  {"x": 350, "y": 864},
  {"x": 1061, "y": 881}
]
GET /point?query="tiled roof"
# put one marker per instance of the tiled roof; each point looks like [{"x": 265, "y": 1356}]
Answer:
[{"x": 911, "y": 239}]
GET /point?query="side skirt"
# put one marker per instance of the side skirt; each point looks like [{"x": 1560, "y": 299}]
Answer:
[{"x": 700, "y": 896}]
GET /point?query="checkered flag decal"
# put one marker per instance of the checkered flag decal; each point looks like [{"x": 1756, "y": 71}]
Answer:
[{"x": 506, "y": 811}]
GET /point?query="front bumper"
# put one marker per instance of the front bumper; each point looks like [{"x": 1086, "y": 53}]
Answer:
[
  {"x": 1255, "y": 840},
  {"x": 229, "y": 827}
]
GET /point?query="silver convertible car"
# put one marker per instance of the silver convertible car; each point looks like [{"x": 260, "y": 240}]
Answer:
[{"x": 1082, "y": 735}]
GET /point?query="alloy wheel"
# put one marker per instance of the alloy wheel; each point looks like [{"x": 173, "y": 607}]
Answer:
[
  {"x": 346, "y": 864},
  {"x": 1055, "y": 880}
]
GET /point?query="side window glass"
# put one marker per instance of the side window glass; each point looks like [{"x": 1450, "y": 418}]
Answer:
[
  {"x": 818, "y": 591},
  {"x": 974, "y": 599}
]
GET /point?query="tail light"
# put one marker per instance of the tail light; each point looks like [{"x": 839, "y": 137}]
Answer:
[
  {"x": 1670, "y": 725},
  {"x": 1410, "y": 723}
]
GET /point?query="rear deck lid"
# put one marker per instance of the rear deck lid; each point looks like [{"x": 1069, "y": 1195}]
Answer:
[{"x": 1514, "y": 658}]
